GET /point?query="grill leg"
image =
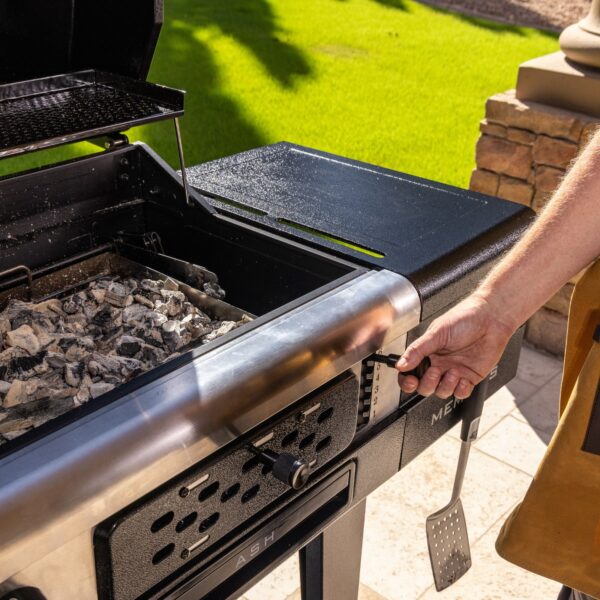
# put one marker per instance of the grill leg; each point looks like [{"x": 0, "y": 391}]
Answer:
[{"x": 330, "y": 564}]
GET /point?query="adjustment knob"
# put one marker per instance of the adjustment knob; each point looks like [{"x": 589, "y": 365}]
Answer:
[{"x": 285, "y": 467}]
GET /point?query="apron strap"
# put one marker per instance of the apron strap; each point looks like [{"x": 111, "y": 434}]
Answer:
[{"x": 583, "y": 325}]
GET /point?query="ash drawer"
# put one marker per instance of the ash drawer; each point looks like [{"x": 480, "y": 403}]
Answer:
[{"x": 182, "y": 524}]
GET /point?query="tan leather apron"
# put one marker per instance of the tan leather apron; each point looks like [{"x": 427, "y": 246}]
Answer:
[{"x": 555, "y": 531}]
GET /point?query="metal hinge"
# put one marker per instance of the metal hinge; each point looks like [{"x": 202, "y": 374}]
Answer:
[{"x": 112, "y": 141}]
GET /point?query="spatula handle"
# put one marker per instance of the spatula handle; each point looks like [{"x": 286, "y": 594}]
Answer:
[{"x": 472, "y": 409}]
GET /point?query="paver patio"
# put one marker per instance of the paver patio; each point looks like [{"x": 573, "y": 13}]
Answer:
[{"x": 516, "y": 427}]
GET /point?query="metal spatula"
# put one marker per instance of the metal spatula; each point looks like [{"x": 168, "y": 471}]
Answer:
[{"x": 447, "y": 535}]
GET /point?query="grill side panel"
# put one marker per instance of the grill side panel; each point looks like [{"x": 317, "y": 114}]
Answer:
[{"x": 185, "y": 522}]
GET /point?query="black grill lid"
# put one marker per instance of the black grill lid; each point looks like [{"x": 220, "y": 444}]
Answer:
[{"x": 104, "y": 47}]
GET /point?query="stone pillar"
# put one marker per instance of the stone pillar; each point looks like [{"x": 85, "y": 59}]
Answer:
[
  {"x": 531, "y": 136},
  {"x": 522, "y": 154}
]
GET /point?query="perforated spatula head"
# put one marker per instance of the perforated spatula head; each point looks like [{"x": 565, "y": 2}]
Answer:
[
  {"x": 447, "y": 536},
  {"x": 448, "y": 543}
]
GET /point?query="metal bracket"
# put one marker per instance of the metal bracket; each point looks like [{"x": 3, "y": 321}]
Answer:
[
  {"x": 28, "y": 274},
  {"x": 186, "y": 188},
  {"x": 112, "y": 141}
]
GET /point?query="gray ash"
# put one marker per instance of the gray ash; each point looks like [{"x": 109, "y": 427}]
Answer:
[{"x": 58, "y": 354}]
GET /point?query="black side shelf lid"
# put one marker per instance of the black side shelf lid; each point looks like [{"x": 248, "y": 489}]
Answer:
[{"x": 41, "y": 113}]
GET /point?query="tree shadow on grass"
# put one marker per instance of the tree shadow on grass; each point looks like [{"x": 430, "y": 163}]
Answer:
[
  {"x": 216, "y": 124},
  {"x": 253, "y": 24},
  {"x": 399, "y": 4}
]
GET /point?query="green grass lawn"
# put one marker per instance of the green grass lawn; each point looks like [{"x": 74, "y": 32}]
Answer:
[{"x": 391, "y": 82}]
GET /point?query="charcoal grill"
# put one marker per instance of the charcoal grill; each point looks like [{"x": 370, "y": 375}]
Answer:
[{"x": 195, "y": 479}]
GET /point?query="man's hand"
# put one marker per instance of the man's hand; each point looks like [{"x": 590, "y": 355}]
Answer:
[{"x": 463, "y": 346}]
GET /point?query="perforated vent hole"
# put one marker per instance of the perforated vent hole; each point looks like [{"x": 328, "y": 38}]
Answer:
[
  {"x": 163, "y": 554},
  {"x": 250, "y": 464},
  {"x": 289, "y": 439},
  {"x": 208, "y": 522},
  {"x": 186, "y": 522},
  {"x": 208, "y": 491},
  {"x": 324, "y": 443},
  {"x": 267, "y": 468},
  {"x": 307, "y": 441},
  {"x": 230, "y": 492},
  {"x": 162, "y": 522},
  {"x": 326, "y": 414},
  {"x": 249, "y": 494}
]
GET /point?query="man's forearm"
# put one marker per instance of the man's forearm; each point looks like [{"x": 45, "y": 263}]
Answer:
[{"x": 564, "y": 239}]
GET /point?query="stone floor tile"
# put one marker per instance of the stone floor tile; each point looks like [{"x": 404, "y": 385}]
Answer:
[
  {"x": 497, "y": 406},
  {"x": 364, "y": 593},
  {"x": 541, "y": 410},
  {"x": 279, "y": 584},
  {"x": 537, "y": 368},
  {"x": 492, "y": 578},
  {"x": 521, "y": 390},
  {"x": 395, "y": 557},
  {"x": 515, "y": 443}
]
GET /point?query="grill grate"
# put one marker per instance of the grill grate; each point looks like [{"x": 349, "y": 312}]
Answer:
[{"x": 69, "y": 108}]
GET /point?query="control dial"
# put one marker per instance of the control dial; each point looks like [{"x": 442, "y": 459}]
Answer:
[{"x": 287, "y": 468}]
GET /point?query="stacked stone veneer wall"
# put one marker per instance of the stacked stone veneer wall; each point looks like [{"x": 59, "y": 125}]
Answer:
[{"x": 522, "y": 155}]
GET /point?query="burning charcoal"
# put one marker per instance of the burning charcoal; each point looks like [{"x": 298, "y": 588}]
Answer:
[
  {"x": 173, "y": 302},
  {"x": 128, "y": 345},
  {"x": 17, "y": 394},
  {"x": 83, "y": 394},
  {"x": 157, "y": 319},
  {"x": 171, "y": 335},
  {"x": 129, "y": 366},
  {"x": 214, "y": 290},
  {"x": 225, "y": 327},
  {"x": 151, "y": 285},
  {"x": 170, "y": 285},
  {"x": 71, "y": 306},
  {"x": 99, "y": 296},
  {"x": 197, "y": 327},
  {"x": 61, "y": 353},
  {"x": 73, "y": 374},
  {"x": 64, "y": 341},
  {"x": 49, "y": 308},
  {"x": 5, "y": 327},
  {"x": 152, "y": 354},
  {"x": 134, "y": 313},
  {"x": 118, "y": 295},
  {"x": 24, "y": 337},
  {"x": 148, "y": 335},
  {"x": 108, "y": 317},
  {"x": 14, "y": 425},
  {"x": 62, "y": 393},
  {"x": 95, "y": 369},
  {"x": 143, "y": 301},
  {"x": 42, "y": 330},
  {"x": 131, "y": 285},
  {"x": 202, "y": 317},
  {"x": 98, "y": 389},
  {"x": 31, "y": 388},
  {"x": 28, "y": 366},
  {"x": 76, "y": 353},
  {"x": 109, "y": 364}
]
